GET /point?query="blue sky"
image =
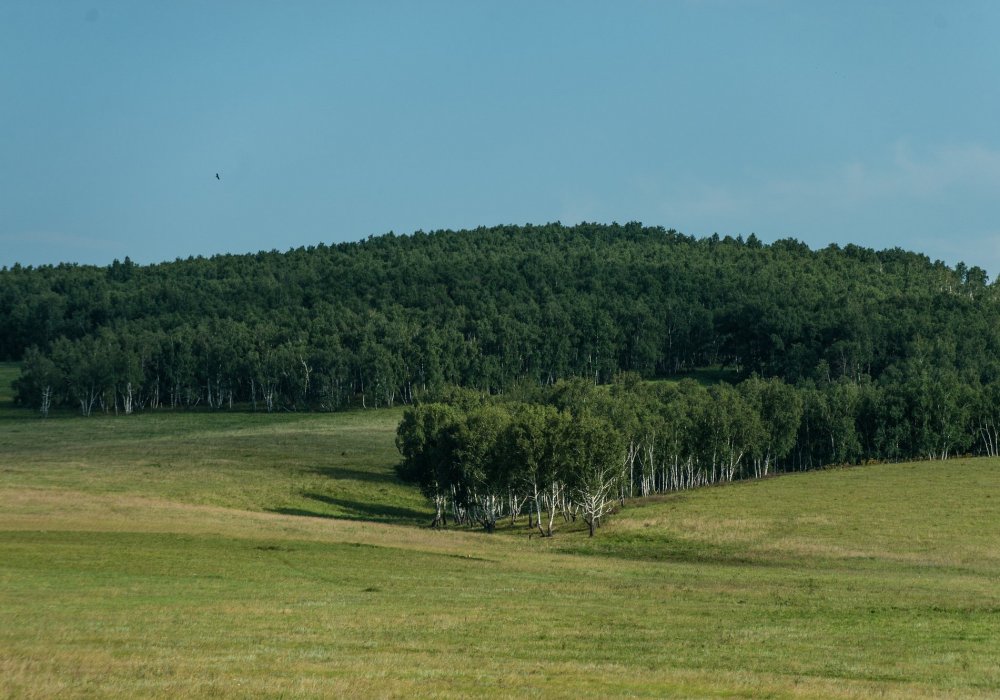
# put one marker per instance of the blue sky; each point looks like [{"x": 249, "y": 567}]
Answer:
[{"x": 875, "y": 123}]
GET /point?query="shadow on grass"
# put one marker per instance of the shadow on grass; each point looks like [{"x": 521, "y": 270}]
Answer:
[
  {"x": 660, "y": 549},
  {"x": 357, "y": 475},
  {"x": 357, "y": 510}
]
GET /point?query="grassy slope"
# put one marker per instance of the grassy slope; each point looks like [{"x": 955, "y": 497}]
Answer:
[{"x": 167, "y": 555}]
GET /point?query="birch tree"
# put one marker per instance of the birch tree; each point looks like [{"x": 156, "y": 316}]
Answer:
[
  {"x": 595, "y": 450},
  {"x": 779, "y": 408},
  {"x": 486, "y": 476},
  {"x": 39, "y": 381},
  {"x": 535, "y": 454}
]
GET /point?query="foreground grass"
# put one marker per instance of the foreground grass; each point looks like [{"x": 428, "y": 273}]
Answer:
[{"x": 168, "y": 555}]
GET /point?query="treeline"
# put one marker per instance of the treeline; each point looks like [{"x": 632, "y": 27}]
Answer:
[
  {"x": 575, "y": 450},
  {"x": 380, "y": 321}
]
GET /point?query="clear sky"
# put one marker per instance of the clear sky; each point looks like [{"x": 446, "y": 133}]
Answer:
[{"x": 876, "y": 123}]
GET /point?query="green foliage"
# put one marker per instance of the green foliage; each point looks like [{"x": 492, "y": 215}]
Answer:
[
  {"x": 844, "y": 354},
  {"x": 392, "y": 317},
  {"x": 492, "y": 459},
  {"x": 779, "y": 408},
  {"x": 593, "y": 448},
  {"x": 577, "y": 449},
  {"x": 425, "y": 440}
]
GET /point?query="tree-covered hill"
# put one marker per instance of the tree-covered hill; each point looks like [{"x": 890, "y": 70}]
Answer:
[{"x": 378, "y": 321}]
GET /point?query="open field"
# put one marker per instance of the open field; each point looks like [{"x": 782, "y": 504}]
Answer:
[{"x": 236, "y": 555}]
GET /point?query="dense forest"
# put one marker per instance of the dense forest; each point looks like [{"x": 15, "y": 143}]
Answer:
[{"x": 890, "y": 354}]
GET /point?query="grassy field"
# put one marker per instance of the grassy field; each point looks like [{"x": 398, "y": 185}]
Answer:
[{"x": 236, "y": 555}]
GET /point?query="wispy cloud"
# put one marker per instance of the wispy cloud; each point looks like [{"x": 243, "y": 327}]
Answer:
[
  {"x": 941, "y": 201},
  {"x": 901, "y": 174},
  {"x": 906, "y": 173}
]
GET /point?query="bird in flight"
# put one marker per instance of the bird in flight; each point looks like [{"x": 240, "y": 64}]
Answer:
[{"x": 217, "y": 176}]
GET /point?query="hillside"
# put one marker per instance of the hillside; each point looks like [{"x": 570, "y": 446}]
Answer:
[
  {"x": 381, "y": 320},
  {"x": 892, "y": 356},
  {"x": 213, "y": 554}
]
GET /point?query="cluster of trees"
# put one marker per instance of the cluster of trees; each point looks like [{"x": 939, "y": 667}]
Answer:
[
  {"x": 572, "y": 449},
  {"x": 575, "y": 450},
  {"x": 490, "y": 461}
]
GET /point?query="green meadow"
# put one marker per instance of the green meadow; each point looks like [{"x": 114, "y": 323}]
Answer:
[{"x": 241, "y": 555}]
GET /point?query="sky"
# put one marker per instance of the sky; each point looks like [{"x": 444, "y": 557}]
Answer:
[{"x": 875, "y": 123}]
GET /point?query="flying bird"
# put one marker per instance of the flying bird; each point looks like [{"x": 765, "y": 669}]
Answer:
[{"x": 217, "y": 176}]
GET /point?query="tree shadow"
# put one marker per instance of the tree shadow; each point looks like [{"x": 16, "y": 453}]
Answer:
[
  {"x": 350, "y": 474},
  {"x": 658, "y": 549},
  {"x": 357, "y": 510}
]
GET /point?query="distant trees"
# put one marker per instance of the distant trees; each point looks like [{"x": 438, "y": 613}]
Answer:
[
  {"x": 830, "y": 356},
  {"x": 379, "y": 322}
]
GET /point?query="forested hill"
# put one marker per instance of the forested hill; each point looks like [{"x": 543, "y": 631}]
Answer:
[{"x": 379, "y": 320}]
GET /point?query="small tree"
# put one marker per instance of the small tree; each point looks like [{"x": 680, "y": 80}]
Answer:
[
  {"x": 595, "y": 451},
  {"x": 40, "y": 379}
]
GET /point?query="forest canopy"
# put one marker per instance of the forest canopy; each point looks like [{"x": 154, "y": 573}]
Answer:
[{"x": 383, "y": 320}]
